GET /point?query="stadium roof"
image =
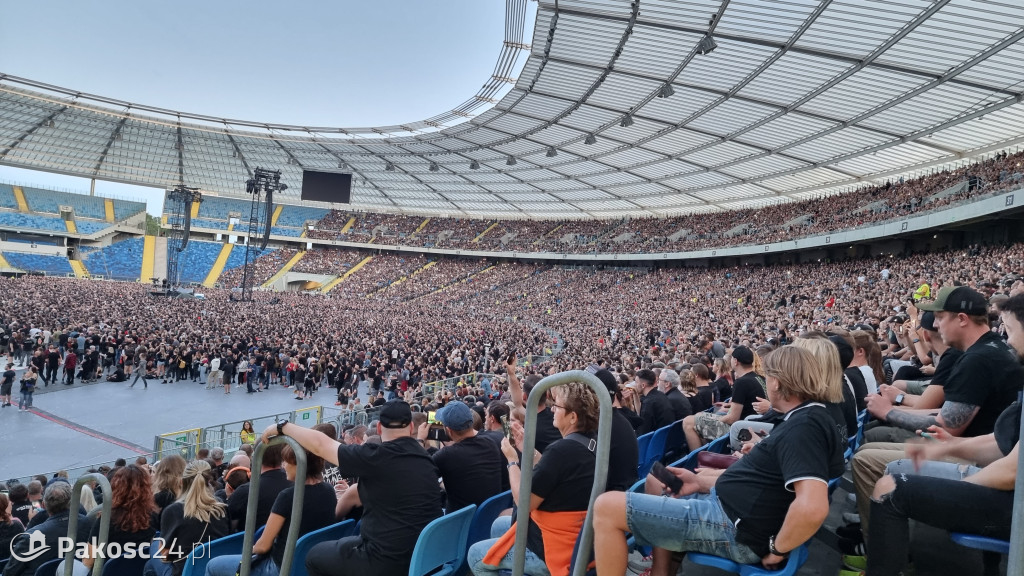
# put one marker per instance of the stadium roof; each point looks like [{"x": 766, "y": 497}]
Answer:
[{"x": 654, "y": 107}]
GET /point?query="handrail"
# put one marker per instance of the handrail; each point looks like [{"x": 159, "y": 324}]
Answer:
[
  {"x": 250, "y": 508},
  {"x": 76, "y": 501},
  {"x": 604, "y": 435}
]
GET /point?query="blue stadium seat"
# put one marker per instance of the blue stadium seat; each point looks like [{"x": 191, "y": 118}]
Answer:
[
  {"x": 656, "y": 447},
  {"x": 796, "y": 560},
  {"x": 486, "y": 514},
  {"x": 306, "y": 543},
  {"x": 199, "y": 557},
  {"x": 218, "y": 208},
  {"x": 48, "y": 568},
  {"x": 642, "y": 442},
  {"x": 296, "y": 216},
  {"x": 90, "y": 226},
  {"x": 7, "y": 199},
  {"x": 44, "y": 263},
  {"x": 195, "y": 261},
  {"x": 127, "y": 566},
  {"x": 32, "y": 222},
  {"x": 281, "y": 231},
  {"x": 992, "y": 549},
  {"x": 441, "y": 548},
  {"x": 121, "y": 260},
  {"x": 210, "y": 223}
]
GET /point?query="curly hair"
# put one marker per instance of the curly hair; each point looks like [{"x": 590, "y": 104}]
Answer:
[
  {"x": 131, "y": 498},
  {"x": 578, "y": 398}
]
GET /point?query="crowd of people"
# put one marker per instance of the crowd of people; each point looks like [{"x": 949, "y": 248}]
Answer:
[
  {"x": 773, "y": 223},
  {"x": 923, "y": 342}
]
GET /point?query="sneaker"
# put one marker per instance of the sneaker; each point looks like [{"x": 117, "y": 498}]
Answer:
[
  {"x": 639, "y": 564},
  {"x": 855, "y": 562},
  {"x": 851, "y": 517},
  {"x": 852, "y": 546}
]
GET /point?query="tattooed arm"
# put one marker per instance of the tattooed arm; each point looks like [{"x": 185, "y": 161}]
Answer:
[{"x": 954, "y": 417}]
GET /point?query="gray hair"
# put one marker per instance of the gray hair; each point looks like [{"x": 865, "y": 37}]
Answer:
[
  {"x": 57, "y": 497},
  {"x": 670, "y": 376}
]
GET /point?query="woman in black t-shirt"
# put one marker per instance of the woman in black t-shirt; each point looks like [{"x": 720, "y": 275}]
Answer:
[
  {"x": 195, "y": 519},
  {"x": 167, "y": 484},
  {"x": 562, "y": 481},
  {"x": 6, "y": 385},
  {"x": 318, "y": 505},
  {"x": 9, "y": 527}
]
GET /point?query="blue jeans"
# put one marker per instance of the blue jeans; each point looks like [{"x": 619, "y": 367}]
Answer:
[
  {"x": 534, "y": 565},
  {"x": 228, "y": 566},
  {"x": 695, "y": 523},
  {"x": 26, "y": 399}
]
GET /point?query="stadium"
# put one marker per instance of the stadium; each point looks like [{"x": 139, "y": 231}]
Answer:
[{"x": 639, "y": 196}]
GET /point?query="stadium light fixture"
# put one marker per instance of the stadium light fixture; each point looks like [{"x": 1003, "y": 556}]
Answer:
[
  {"x": 474, "y": 165},
  {"x": 627, "y": 121},
  {"x": 590, "y": 139},
  {"x": 707, "y": 45},
  {"x": 552, "y": 152},
  {"x": 434, "y": 167},
  {"x": 666, "y": 91},
  {"x": 510, "y": 161},
  {"x": 389, "y": 166}
]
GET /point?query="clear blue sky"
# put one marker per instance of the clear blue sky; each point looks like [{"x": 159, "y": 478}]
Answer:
[{"x": 332, "y": 63}]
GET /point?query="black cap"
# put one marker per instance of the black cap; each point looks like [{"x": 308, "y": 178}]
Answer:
[
  {"x": 743, "y": 355},
  {"x": 957, "y": 299},
  {"x": 395, "y": 414},
  {"x": 928, "y": 321},
  {"x": 608, "y": 379}
]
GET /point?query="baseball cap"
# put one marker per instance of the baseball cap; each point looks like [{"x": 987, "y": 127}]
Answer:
[
  {"x": 395, "y": 414},
  {"x": 928, "y": 321},
  {"x": 957, "y": 299},
  {"x": 456, "y": 415},
  {"x": 743, "y": 355},
  {"x": 608, "y": 379}
]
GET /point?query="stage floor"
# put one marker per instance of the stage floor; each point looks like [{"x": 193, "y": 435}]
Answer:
[{"x": 85, "y": 424}]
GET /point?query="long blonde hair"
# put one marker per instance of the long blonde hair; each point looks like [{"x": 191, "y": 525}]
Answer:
[
  {"x": 88, "y": 500},
  {"x": 198, "y": 498}
]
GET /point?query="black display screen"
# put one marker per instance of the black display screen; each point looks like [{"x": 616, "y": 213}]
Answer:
[{"x": 326, "y": 187}]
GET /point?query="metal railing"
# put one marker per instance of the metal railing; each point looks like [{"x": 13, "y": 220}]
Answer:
[
  {"x": 254, "y": 494},
  {"x": 604, "y": 434},
  {"x": 76, "y": 499}
]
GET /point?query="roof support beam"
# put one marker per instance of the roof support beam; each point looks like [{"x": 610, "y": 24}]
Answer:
[
  {"x": 181, "y": 155},
  {"x": 110, "y": 143},
  {"x": 238, "y": 151},
  {"x": 46, "y": 120}
]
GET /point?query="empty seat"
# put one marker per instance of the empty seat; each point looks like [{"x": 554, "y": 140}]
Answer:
[
  {"x": 42, "y": 263},
  {"x": 441, "y": 548}
]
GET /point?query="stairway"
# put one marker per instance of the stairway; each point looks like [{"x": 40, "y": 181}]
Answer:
[
  {"x": 284, "y": 269},
  {"x": 484, "y": 233},
  {"x": 218, "y": 265},
  {"x": 19, "y": 196},
  {"x": 108, "y": 209},
  {"x": 277, "y": 214},
  {"x": 330, "y": 285},
  {"x": 79, "y": 267},
  {"x": 148, "y": 258}
]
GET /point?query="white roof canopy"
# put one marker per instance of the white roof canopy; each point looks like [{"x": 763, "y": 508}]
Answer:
[{"x": 616, "y": 112}]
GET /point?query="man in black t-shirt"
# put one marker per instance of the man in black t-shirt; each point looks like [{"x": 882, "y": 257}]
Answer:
[
  {"x": 6, "y": 385},
  {"x": 655, "y": 409},
  {"x": 668, "y": 383},
  {"x": 760, "y": 509},
  {"x": 747, "y": 388},
  {"x": 397, "y": 488},
  {"x": 272, "y": 482},
  {"x": 472, "y": 466},
  {"x": 982, "y": 383}
]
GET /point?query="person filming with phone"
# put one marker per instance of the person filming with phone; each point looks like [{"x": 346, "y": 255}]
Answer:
[
  {"x": 759, "y": 509},
  {"x": 471, "y": 465}
]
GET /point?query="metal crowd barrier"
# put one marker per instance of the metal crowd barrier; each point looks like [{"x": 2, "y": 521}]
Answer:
[
  {"x": 604, "y": 436},
  {"x": 254, "y": 496},
  {"x": 76, "y": 501}
]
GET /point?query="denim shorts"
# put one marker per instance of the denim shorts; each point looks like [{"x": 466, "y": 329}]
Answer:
[{"x": 694, "y": 523}]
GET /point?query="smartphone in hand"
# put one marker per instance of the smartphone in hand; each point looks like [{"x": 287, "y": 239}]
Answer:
[
  {"x": 507, "y": 429},
  {"x": 674, "y": 483}
]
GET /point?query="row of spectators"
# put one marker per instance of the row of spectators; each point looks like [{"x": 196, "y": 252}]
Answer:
[{"x": 863, "y": 206}]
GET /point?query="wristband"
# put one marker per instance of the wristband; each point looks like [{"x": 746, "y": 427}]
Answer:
[
  {"x": 280, "y": 426},
  {"x": 511, "y": 464},
  {"x": 773, "y": 550}
]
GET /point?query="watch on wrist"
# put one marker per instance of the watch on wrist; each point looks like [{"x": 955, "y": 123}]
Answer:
[
  {"x": 899, "y": 399},
  {"x": 511, "y": 464},
  {"x": 280, "y": 426},
  {"x": 773, "y": 550}
]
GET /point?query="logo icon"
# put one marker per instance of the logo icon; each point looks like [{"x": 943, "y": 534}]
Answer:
[{"x": 36, "y": 547}]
